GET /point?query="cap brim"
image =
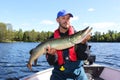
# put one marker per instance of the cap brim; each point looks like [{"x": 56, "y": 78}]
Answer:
[{"x": 70, "y": 14}]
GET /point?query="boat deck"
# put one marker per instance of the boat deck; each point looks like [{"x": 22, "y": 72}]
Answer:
[
  {"x": 97, "y": 79},
  {"x": 94, "y": 72}
]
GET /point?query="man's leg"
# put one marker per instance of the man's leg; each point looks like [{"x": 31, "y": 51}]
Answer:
[{"x": 82, "y": 75}]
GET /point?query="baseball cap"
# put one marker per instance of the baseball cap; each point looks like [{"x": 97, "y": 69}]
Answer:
[{"x": 63, "y": 13}]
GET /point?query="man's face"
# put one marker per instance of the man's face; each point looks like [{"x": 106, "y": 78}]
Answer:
[{"x": 64, "y": 21}]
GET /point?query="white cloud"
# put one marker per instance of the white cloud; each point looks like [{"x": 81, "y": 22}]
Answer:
[
  {"x": 25, "y": 24},
  {"x": 74, "y": 18},
  {"x": 103, "y": 26},
  {"x": 100, "y": 25},
  {"x": 91, "y": 9},
  {"x": 47, "y": 22}
]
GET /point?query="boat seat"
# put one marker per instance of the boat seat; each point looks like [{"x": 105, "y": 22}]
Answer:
[{"x": 110, "y": 74}]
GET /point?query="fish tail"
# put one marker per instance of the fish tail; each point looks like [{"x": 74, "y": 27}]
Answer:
[{"x": 29, "y": 66}]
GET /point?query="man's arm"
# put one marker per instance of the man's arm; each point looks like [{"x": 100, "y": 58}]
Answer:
[
  {"x": 50, "y": 55},
  {"x": 80, "y": 51},
  {"x": 50, "y": 59}
]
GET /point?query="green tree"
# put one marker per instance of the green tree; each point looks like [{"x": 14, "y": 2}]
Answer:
[
  {"x": 96, "y": 37},
  {"x": 26, "y": 36},
  {"x": 18, "y": 35},
  {"x": 33, "y": 36},
  {"x": 10, "y": 35},
  {"x": 3, "y": 32}
]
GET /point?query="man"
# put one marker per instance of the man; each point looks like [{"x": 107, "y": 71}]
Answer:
[{"x": 68, "y": 63}]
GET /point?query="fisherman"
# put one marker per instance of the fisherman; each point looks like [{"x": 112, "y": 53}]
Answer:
[{"x": 67, "y": 63}]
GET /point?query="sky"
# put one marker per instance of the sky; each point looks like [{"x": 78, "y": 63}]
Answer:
[{"x": 40, "y": 15}]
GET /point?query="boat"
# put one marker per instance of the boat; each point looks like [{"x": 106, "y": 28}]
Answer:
[{"x": 94, "y": 72}]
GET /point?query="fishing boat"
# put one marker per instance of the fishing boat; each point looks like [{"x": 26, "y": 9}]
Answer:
[{"x": 94, "y": 72}]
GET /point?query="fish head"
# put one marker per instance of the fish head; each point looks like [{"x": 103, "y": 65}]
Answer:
[{"x": 80, "y": 36}]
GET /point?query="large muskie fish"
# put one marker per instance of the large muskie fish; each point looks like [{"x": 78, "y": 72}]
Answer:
[{"x": 58, "y": 44}]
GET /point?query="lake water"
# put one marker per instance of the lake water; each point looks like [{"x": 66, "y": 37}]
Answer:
[{"x": 14, "y": 57}]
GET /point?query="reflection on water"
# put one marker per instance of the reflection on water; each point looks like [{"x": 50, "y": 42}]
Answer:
[{"x": 14, "y": 57}]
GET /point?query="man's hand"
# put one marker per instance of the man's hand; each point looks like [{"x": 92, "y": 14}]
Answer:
[
  {"x": 50, "y": 50},
  {"x": 86, "y": 39}
]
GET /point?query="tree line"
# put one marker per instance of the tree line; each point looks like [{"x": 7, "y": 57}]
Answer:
[
  {"x": 9, "y": 35},
  {"x": 110, "y": 36}
]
